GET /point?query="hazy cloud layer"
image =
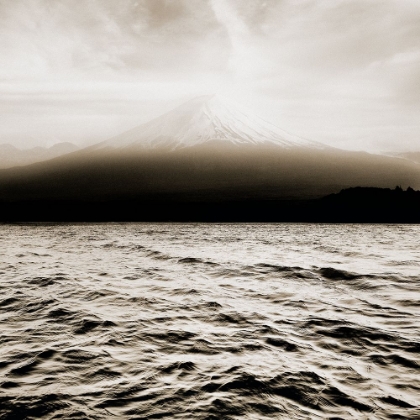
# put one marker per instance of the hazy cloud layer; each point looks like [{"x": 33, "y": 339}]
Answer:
[{"x": 343, "y": 72}]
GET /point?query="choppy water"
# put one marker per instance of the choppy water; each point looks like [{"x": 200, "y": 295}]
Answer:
[{"x": 185, "y": 321}]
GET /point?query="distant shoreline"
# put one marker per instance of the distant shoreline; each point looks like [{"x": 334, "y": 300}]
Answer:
[{"x": 352, "y": 205}]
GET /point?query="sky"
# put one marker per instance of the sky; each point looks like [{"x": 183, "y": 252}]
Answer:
[{"x": 342, "y": 72}]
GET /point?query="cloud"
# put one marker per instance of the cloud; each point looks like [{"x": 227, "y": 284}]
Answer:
[
  {"x": 44, "y": 38},
  {"x": 248, "y": 59},
  {"x": 344, "y": 67}
]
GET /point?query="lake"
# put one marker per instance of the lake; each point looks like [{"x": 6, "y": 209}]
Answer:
[{"x": 209, "y": 321}]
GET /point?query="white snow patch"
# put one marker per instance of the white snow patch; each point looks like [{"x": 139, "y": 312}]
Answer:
[{"x": 205, "y": 119}]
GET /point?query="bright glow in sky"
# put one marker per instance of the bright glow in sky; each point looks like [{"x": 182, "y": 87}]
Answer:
[{"x": 342, "y": 72}]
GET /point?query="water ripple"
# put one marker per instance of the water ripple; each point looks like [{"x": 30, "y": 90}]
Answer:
[{"x": 209, "y": 321}]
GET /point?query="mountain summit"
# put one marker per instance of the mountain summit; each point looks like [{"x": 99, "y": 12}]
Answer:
[{"x": 206, "y": 119}]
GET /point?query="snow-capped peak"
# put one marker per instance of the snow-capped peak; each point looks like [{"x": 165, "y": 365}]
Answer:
[{"x": 204, "y": 119}]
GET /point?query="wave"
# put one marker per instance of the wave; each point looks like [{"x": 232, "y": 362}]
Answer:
[{"x": 208, "y": 322}]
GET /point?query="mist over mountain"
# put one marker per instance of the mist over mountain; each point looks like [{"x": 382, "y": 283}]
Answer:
[
  {"x": 205, "y": 150},
  {"x": 206, "y": 119},
  {"x": 413, "y": 156},
  {"x": 12, "y": 156}
]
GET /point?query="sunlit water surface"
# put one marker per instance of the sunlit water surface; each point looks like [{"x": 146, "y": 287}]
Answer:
[{"x": 200, "y": 321}]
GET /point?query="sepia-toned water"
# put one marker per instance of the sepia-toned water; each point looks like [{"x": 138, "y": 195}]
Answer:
[{"x": 220, "y": 321}]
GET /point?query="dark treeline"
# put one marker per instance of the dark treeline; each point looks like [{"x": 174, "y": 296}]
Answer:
[
  {"x": 360, "y": 204},
  {"x": 376, "y": 205}
]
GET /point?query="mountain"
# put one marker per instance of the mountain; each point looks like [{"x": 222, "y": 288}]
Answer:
[
  {"x": 206, "y": 119},
  {"x": 204, "y": 151},
  {"x": 413, "y": 156},
  {"x": 12, "y": 156}
]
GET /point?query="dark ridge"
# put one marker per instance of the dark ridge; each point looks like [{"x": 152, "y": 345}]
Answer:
[
  {"x": 354, "y": 205},
  {"x": 26, "y": 368},
  {"x": 278, "y": 342},
  {"x": 394, "y": 359},
  {"x": 87, "y": 325},
  {"x": 188, "y": 366},
  {"x": 173, "y": 336},
  {"x": 8, "y": 301},
  {"x": 307, "y": 388},
  {"x": 396, "y": 402},
  {"x": 358, "y": 333},
  {"x": 212, "y": 305},
  {"x": 231, "y": 318},
  {"x": 209, "y": 183},
  {"x": 9, "y": 385},
  {"x": 263, "y": 267},
  {"x": 248, "y": 384},
  {"x": 334, "y": 274},
  {"x": 33, "y": 407},
  {"x": 41, "y": 281},
  {"x": 61, "y": 314},
  {"x": 374, "y": 204},
  {"x": 190, "y": 260}
]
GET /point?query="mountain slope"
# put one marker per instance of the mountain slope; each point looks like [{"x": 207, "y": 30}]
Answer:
[
  {"x": 198, "y": 172},
  {"x": 202, "y": 120},
  {"x": 12, "y": 156},
  {"x": 413, "y": 156}
]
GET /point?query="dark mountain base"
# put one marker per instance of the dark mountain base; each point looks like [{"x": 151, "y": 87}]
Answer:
[
  {"x": 226, "y": 173},
  {"x": 354, "y": 205}
]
